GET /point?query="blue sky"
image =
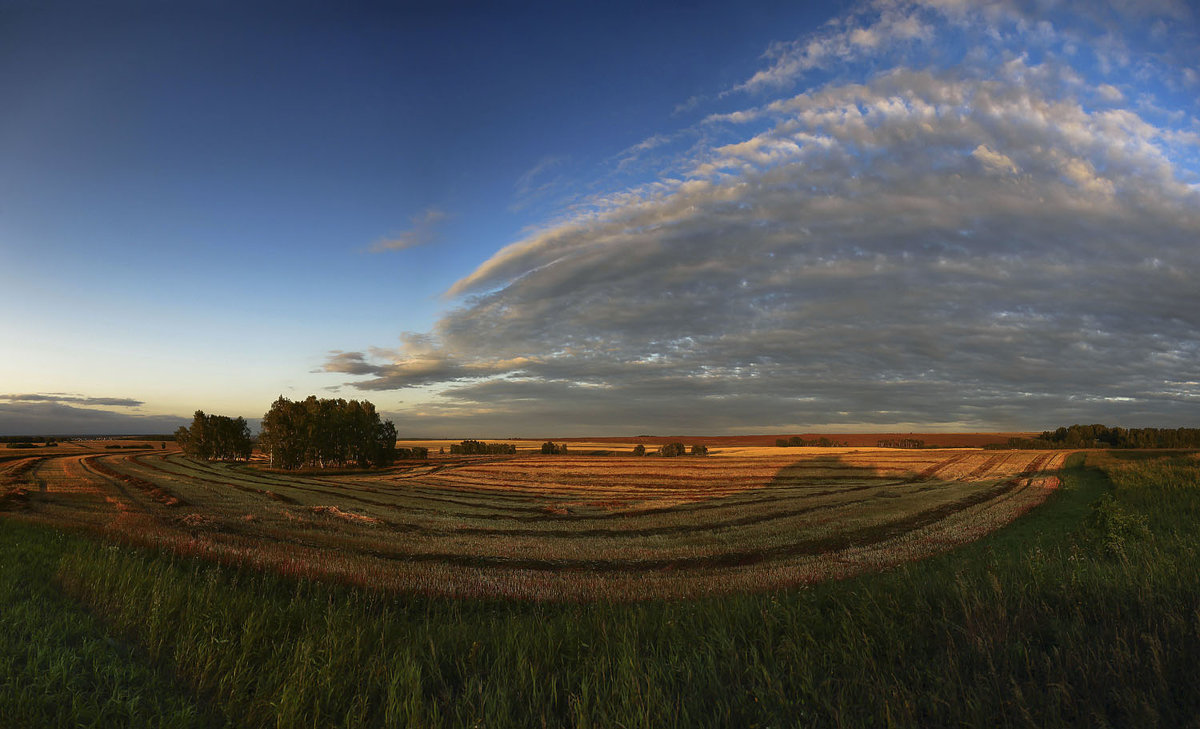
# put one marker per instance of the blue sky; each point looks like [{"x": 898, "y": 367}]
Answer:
[{"x": 582, "y": 219}]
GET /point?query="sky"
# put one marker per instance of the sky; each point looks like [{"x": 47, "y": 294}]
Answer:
[{"x": 618, "y": 218}]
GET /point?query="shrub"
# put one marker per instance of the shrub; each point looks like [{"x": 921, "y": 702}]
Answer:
[{"x": 1116, "y": 524}]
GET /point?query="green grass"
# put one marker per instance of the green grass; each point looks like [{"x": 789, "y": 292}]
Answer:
[
  {"x": 61, "y": 667},
  {"x": 1085, "y": 612}
]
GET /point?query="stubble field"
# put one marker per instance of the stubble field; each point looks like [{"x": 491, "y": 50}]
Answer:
[{"x": 574, "y": 527}]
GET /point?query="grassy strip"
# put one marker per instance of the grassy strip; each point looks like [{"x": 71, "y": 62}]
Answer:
[
  {"x": 59, "y": 667},
  {"x": 1084, "y": 613}
]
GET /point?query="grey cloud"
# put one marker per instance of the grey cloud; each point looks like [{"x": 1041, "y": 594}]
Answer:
[
  {"x": 56, "y": 418},
  {"x": 972, "y": 247},
  {"x": 350, "y": 363},
  {"x": 76, "y": 399}
]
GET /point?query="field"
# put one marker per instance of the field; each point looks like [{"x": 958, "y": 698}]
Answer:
[
  {"x": 858, "y": 440},
  {"x": 1081, "y": 613},
  {"x": 544, "y": 527}
]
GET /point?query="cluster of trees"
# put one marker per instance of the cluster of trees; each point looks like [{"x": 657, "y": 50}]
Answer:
[
  {"x": 901, "y": 443},
  {"x": 1103, "y": 436},
  {"x": 477, "y": 448},
  {"x": 671, "y": 450},
  {"x": 326, "y": 433},
  {"x": 215, "y": 438},
  {"x": 550, "y": 448},
  {"x": 797, "y": 442}
]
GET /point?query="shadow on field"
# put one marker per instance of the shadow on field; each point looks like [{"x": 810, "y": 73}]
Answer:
[{"x": 808, "y": 472}]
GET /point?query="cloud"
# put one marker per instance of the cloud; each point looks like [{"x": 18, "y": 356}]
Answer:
[
  {"x": 868, "y": 30},
  {"x": 994, "y": 160},
  {"x": 971, "y": 244},
  {"x": 57, "y": 418},
  {"x": 686, "y": 106},
  {"x": 1108, "y": 92},
  {"x": 75, "y": 399},
  {"x": 422, "y": 232},
  {"x": 418, "y": 361}
]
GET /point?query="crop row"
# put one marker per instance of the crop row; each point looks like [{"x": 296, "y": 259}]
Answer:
[{"x": 556, "y": 527}]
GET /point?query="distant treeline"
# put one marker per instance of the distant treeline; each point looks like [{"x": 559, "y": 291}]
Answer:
[
  {"x": 901, "y": 443},
  {"x": 214, "y": 438},
  {"x": 1103, "y": 436},
  {"x": 797, "y": 442},
  {"x": 27, "y": 441},
  {"x": 479, "y": 448},
  {"x": 326, "y": 433}
]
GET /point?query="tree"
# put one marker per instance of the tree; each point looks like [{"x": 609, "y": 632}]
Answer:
[
  {"x": 670, "y": 450},
  {"x": 471, "y": 447},
  {"x": 216, "y": 437},
  {"x": 326, "y": 433}
]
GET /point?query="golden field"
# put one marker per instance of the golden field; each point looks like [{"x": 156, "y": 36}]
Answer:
[{"x": 571, "y": 527}]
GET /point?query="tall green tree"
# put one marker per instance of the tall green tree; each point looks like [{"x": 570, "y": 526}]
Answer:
[
  {"x": 326, "y": 433},
  {"x": 216, "y": 437}
]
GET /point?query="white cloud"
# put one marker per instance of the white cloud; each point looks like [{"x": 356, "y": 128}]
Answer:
[
  {"x": 1111, "y": 93},
  {"x": 994, "y": 160}
]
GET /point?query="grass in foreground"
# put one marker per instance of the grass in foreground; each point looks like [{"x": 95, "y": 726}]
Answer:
[
  {"x": 1085, "y": 612},
  {"x": 59, "y": 666}
]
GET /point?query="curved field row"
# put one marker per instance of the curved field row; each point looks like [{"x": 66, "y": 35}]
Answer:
[{"x": 559, "y": 527}]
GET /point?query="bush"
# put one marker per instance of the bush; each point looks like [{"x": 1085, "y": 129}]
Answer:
[{"x": 1116, "y": 524}]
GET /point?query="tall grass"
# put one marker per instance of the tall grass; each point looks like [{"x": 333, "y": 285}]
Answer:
[
  {"x": 1085, "y": 612},
  {"x": 59, "y": 666}
]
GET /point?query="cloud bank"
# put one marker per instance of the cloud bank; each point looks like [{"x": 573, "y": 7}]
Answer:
[
  {"x": 61, "y": 414},
  {"x": 60, "y": 397},
  {"x": 1008, "y": 237}
]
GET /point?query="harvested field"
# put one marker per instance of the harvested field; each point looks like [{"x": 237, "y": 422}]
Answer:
[
  {"x": 855, "y": 440},
  {"x": 549, "y": 527}
]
